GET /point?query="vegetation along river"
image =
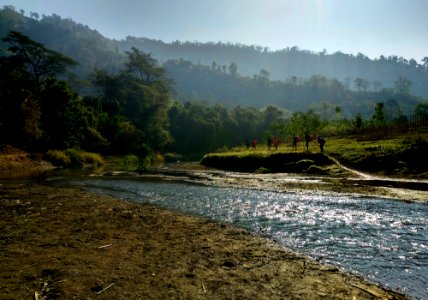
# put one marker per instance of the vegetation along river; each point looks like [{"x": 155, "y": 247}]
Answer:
[{"x": 383, "y": 240}]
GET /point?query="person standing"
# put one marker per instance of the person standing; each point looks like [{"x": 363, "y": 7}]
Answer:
[
  {"x": 307, "y": 139},
  {"x": 254, "y": 143},
  {"x": 321, "y": 141}
]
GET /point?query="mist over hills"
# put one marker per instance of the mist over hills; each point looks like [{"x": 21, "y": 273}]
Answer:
[
  {"x": 288, "y": 63},
  {"x": 236, "y": 74}
]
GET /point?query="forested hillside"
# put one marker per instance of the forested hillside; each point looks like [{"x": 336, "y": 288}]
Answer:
[
  {"x": 227, "y": 86},
  {"x": 292, "y": 62},
  {"x": 63, "y": 85},
  {"x": 91, "y": 49}
]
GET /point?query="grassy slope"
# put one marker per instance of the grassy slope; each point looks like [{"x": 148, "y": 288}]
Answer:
[{"x": 403, "y": 156}]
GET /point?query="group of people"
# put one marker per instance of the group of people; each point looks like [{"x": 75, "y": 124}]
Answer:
[
  {"x": 272, "y": 141},
  {"x": 309, "y": 138}
]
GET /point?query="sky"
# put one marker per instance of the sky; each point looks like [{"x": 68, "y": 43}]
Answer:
[{"x": 371, "y": 27}]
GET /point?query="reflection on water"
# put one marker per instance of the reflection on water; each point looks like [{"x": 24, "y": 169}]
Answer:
[{"x": 384, "y": 240}]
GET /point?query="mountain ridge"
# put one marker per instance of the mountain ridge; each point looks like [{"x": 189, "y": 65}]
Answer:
[{"x": 281, "y": 74}]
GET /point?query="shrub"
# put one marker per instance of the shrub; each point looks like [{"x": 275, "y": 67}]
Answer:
[
  {"x": 153, "y": 160},
  {"x": 75, "y": 157},
  {"x": 58, "y": 158},
  {"x": 129, "y": 162},
  {"x": 92, "y": 158},
  {"x": 262, "y": 170}
]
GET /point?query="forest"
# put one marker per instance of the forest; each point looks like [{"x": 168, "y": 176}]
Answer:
[
  {"x": 64, "y": 86},
  {"x": 91, "y": 49}
]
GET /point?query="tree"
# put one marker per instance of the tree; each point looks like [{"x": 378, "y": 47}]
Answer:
[
  {"x": 425, "y": 62},
  {"x": 34, "y": 59},
  {"x": 144, "y": 66},
  {"x": 421, "y": 110},
  {"x": 392, "y": 110},
  {"x": 248, "y": 121},
  {"x": 264, "y": 75},
  {"x": 359, "y": 83},
  {"x": 25, "y": 73},
  {"x": 337, "y": 109},
  {"x": 377, "y": 85},
  {"x": 66, "y": 120},
  {"x": 138, "y": 98},
  {"x": 34, "y": 15},
  {"x": 270, "y": 115},
  {"x": 358, "y": 121},
  {"x": 379, "y": 115},
  {"x": 304, "y": 123},
  {"x": 402, "y": 85},
  {"x": 233, "y": 69}
]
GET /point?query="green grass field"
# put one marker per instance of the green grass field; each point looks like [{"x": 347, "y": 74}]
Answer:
[{"x": 400, "y": 156}]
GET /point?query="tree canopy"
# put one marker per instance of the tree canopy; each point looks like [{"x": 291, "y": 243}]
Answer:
[
  {"x": 28, "y": 79},
  {"x": 140, "y": 106}
]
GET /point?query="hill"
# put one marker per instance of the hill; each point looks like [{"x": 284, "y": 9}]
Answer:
[
  {"x": 235, "y": 74},
  {"x": 291, "y": 63}
]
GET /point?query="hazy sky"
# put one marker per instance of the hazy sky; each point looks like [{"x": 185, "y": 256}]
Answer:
[{"x": 372, "y": 27}]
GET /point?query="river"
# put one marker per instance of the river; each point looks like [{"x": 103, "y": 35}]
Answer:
[{"x": 383, "y": 240}]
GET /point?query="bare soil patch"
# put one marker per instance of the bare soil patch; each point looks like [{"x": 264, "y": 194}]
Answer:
[
  {"x": 15, "y": 163},
  {"x": 71, "y": 244}
]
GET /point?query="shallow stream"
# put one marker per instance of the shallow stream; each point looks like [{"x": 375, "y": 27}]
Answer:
[{"x": 383, "y": 240}]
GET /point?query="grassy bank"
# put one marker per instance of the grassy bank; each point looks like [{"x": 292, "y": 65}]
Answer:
[
  {"x": 261, "y": 162},
  {"x": 402, "y": 156},
  {"x": 13, "y": 160}
]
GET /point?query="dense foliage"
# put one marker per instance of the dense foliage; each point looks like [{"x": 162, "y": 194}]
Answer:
[
  {"x": 92, "y": 50},
  {"x": 39, "y": 111},
  {"x": 37, "y": 108},
  {"x": 131, "y": 105},
  {"x": 228, "y": 87},
  {"x": 128, "y": 103}
]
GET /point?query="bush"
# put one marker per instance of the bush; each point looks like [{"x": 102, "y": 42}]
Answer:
[
  {"x": 129, "y": 163},
  {"x": 58, "y": 158},
  {"x": 262, "y": 170},
  {"x": 92, "y": 158},
  {"x": 153, "y": 160},
  {"x": 73, "y": 158}
]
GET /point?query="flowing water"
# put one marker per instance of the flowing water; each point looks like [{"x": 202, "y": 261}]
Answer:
[{"x": 383, "y": 240}]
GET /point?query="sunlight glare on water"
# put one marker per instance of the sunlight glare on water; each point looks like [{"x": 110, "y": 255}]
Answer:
[{"x": 383, "y": 240}]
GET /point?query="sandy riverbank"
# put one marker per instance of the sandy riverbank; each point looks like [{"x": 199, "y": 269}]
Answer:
[{"x": 71, "y": 244}]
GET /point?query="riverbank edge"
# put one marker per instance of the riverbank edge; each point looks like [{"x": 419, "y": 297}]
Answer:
[
  {"x": 294, "y": 162},
  {"x": 74, "y": 244}
]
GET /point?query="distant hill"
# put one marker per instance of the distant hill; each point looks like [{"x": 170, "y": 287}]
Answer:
[
  {"x": 291, "y": 62},
  {"x": 237, "y": 74}
]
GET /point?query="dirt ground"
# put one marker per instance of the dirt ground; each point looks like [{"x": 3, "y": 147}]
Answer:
[{"x": 58, "y": 243}]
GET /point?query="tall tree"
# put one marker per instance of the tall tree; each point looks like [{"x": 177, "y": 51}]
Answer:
[
  {"x": 425, "y": 62},
  {"x": 402, "y": 85},
  {"x": 34, "y": 59},
  {"x": 361, "y": 84},
  {"x": 421, "y": 110},
  {"x": 379, "y": 114},
  {"x": 138, "y": 97},
  {"x": 25, "y": 72},
  {"x": 144, "y": 66},
  {"x": 233, "y": 69},
  {"x": 377, "y": 85}
]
